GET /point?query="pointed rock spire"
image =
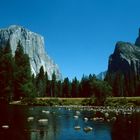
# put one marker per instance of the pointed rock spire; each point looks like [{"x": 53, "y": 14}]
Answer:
[{"x": 137, "y": 43}]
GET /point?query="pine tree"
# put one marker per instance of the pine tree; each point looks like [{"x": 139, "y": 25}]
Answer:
[
  {"x": 54, "y": 85},
  {"x": 59, "y": 87},
  {"x": 6, "y": 72},
  {"x": 47, "y": 87},
  {"x": 41, "y": 83},
  {"x": 75, "y": 88},
  {"x": 85, "y": 85},
  {"x": 23, "y": 86},
  {"x": 66, "y": 89},
  {"x": 101, "y": 89}
]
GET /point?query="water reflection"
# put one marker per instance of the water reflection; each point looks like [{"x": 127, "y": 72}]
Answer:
[
  {"x": 126, "y": 128},
  {"x": 24, "y": 124},
  {"x": 15, "y": 119}
]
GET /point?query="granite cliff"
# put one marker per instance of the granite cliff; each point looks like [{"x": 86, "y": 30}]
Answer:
[
  {"x": 33, "y": 45},
  {"x": 126, "y": 58},
  {"x": 101, "y": 75},
  {"x": 124, "y": 68},
  {"x": 137, "y": 42}
]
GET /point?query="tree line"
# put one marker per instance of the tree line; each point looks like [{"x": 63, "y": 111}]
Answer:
[
  {"x": 17, "y": 81},
  {"x": 124, "y": 84},
  {"x": 88, "y": 86}
]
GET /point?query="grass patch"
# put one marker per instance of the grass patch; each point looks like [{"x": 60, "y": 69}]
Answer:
[
  {"x": 110, "y": 101},
  {"x": 119, "y": 101}
]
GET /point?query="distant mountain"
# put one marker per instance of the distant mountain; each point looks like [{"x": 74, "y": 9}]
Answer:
[
  {"x": 101, "y": 75},
  {"x": 124, "y": 68},
  {"x": 33, "y": 45}
]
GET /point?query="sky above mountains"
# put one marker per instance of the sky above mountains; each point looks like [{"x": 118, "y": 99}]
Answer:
[{"x": 79, "y": 34}]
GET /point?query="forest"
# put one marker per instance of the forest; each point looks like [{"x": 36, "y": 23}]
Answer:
[{"x": 17, "y": 81}]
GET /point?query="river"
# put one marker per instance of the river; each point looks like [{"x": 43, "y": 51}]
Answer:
[{"x": 61, "y": 123}]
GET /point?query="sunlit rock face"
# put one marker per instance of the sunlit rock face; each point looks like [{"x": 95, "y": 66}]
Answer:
[{"x": 33, "y": 45}]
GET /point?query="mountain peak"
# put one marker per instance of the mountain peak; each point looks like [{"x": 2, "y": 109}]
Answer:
[
  {"x": 15, "y": 26},
  {"x": 137, "y": 43},
  {"x": 33, "y": 45}
]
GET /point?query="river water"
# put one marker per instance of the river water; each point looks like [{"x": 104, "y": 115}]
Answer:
[{"x": 61, "y": 123}]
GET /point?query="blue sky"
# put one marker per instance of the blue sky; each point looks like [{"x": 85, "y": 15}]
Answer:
[{"x": 79, "y": 34}]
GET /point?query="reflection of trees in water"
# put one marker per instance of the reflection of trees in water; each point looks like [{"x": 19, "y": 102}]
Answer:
[
  {"x": 127, "y": 128},
  {"x": 55, "y": 127},
  {"x": 45, "y": 131},
  {"x": 42, "y": 133},
  {"x": 15, "y": 118}
]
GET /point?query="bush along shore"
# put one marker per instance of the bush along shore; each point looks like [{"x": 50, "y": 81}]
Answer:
[{"x": 116, "y": 102}]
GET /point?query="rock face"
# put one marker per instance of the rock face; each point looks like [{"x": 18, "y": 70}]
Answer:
[
  {"x": 137, "y": 43},
  {"x": 124, "y": 69},
  {"x": 101, "y": 75},
  {"x": 126, "y": 59},
  {"x": 33, "y": 45}
]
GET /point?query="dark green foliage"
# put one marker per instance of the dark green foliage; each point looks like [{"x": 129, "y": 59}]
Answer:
[
  {"x": 6, "y": 72},
  {"x": 48, "y": 88},
  {"x": 16, "y": 82},
  {"x": 28, "y": 90},
  {"x": 75, "y": 88},
  {"x": 15, "y": 74},
  {"x": 40, "y": 83},
  {"x": 47, "y": 85},
  {"x": 89, "y": 86},
  {"x": 120, "y": 101},
  {"x": 88, "y": 101},
  {"x": 101, "y": 90},
  {"x": 66, "y": 88},
  {"x": 54, "y": 86},
  {"x": 22, "y": 75},
  {"x": 52, "y": 102},
  {"x": 59, "y": 88},
  {"x": 96, "y": 89},
  {"x": 124, "y": 84},
  {"x": 85, "y": 87}
]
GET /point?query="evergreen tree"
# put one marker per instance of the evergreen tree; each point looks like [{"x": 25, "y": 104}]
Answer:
[
  {"x": 75, "y": 88},
  {"x": 59, "y": 87},
  {"x": 49, "y": 88},
  {"x": 101, "y": 89},
  {"x": 66, "y": 89},
  {"x": 41, "y": 83},
  {"x": 54, "y": 85},
  {"x": 6, "y": 72},
  {"x": 23, "y": 86},
  {"x": 85, "y": 86},
  {"x": 47, "y": 85}
]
